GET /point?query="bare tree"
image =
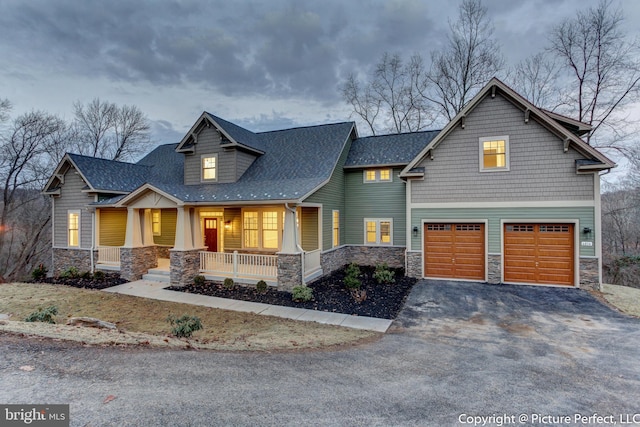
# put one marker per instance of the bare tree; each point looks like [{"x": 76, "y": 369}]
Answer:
[
  {"x": 604, "y": 71},
  {"x": 471, "y": 58},
  {"x": 536, "y": 78},
  {"x": 24, "y": 211},
  {"x": 392, "y": 101},
  {"x": 108, "y": 131},
  {"x": 5, "y": 107}
]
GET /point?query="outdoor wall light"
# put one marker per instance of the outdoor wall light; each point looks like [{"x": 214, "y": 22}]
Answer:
[
  {"x": 586, "y": 230},
  {"x": 227, "y": 225},
  {"x": 415, "y": 231}
]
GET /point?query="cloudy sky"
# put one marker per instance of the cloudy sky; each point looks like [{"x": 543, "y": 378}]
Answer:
[{"x": 262, "y": 64}]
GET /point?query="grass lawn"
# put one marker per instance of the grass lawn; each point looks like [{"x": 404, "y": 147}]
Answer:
[
  {"x": 223, "y": 330},
  {"x": 625, "y": 298}
]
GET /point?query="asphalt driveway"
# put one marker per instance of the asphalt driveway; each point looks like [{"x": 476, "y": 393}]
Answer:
[{"x": 457, "y": 350}]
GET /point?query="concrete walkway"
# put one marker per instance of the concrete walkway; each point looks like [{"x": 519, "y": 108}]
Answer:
[{"x": 154, "y": 290}]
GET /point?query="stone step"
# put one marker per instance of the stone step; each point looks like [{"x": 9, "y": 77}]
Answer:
[
  {"x": 156, "y": 277},
  {"x": 158, "y": 271}
]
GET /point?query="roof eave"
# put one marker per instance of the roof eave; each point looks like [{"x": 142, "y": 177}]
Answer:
[{"x": 381, "y": 165}]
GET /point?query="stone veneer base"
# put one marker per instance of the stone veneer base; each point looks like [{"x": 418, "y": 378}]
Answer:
[
  {"x": 289, "y": 271},
  {"x": 65, "y": 258},
  {"x": 336, "y": 258},
  {"x": 184, "y": 266},
  {"x": 134, "y": 262}
]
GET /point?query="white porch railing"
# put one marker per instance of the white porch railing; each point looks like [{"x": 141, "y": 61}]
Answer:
[
  {"x": 311, "y": 262},
  {"x": 239, "y": 265},
  {"x": 109, "y": 255}
]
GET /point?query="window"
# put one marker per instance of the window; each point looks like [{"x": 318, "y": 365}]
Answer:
[
  {"x": 270, "y": 230},
  {"x": 155, "y": 221},
  {"x": 377, "y": 175},
  {"x": 250, "y": 228},
  {"x": 336, "y": 228},
  {"x": 262, "y": 229},
  {"x": 73, "y": 228},
  {"x": 378, "y": 231},
  {"x": 494, "y": 154},
  {"x": 209, "y": 167}
]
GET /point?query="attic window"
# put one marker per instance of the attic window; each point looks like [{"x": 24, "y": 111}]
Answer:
[
  {"x": 494, "y": 154},
  {"x": 209, "y": 167}
]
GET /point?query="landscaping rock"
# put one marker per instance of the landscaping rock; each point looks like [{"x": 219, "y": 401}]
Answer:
[{"x": 90, "y": 322}]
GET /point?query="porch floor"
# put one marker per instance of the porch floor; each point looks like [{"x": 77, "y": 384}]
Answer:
[{"x": 155, "y": 290}]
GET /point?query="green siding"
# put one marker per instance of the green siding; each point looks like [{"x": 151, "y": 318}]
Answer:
[
  {"x": 585, "y": 216},
  {"x": 374, "y": 200},
  {"x": 168, "y": 219},
  {"x": 309, "y": 228},
  {"x": 113, "y": 226},
  {"x": 332, "y": 196},
  {"x": 233, "y": 236}
]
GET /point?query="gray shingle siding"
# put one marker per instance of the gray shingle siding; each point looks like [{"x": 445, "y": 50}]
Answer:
[
  {"x": 72, "y": 198},
  {"x": 209, "y": 143},
  {"x": 539, "y": 170}
]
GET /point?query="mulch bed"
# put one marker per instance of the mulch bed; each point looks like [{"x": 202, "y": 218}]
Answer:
[
  {"x": 383, "y": 300},
  {"x": 110, "y": 279}
]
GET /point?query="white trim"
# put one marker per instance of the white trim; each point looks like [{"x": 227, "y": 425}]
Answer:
[
  {"x": 515, "y": 204},
  {"x": 216, "y": 168},
  {"x": 378, "y": 221},
  {"x": 597, "y": 237},
  {"x": 576, "y": 245},
  {"x": 458, "y": 221},
  {"x": 507, "y": 163},
  {"x": 407, "y": 212}
]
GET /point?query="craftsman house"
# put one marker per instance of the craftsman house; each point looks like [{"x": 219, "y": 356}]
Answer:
[{"x": 505, "y": 193}]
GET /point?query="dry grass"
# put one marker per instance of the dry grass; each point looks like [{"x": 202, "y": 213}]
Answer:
[
  {"x": 223, "y": 330},
  {"x": 626, "y": 299}
]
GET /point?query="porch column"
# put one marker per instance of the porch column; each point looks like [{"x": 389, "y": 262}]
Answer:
[
  {"x": 198, "y": 237},
  {"x": 184, "y": 235},
  {"x": 133, "y": 234},
  {"x": 289, "y": 238},
  {"x": 147, "y": 234}
]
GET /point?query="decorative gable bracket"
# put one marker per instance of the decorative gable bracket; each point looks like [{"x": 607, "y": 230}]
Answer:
[
  {"x": 567, "y": 141},
  {"x": 526, "y": 115}
]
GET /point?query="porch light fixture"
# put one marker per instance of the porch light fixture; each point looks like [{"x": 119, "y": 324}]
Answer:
[
  {"x": 415, "y": 231},
  {"x": 586, "y": 230},
  {"x": 227, "y": 225}
]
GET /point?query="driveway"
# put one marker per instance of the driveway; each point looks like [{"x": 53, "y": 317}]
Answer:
[{"x": 457, "y": 350}]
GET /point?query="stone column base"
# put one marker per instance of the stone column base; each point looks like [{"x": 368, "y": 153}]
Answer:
[
  {"x": 134, "y": 262},
  {"x": 589, "y": 274},
  {"x": 414, "y": 264},
  {"x": 494, "y": 275},
  {"x": 184, "y": 266},
  {"x": 289, "y": 271}
]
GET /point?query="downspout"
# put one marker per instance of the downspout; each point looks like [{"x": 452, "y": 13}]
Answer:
[
  {"x": 93, "y": 238},
  {"x": 295, "y": 238}
]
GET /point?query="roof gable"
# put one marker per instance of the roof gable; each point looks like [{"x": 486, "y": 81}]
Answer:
[{"x": 545, "y": 119}]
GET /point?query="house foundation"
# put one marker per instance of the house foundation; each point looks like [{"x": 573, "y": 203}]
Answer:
[
  {"x": 63, "y": 259},
  {"x": 336, "y": 258},
  {"x": 414, "y": 264},
  {"x": 590, "y": 274}
]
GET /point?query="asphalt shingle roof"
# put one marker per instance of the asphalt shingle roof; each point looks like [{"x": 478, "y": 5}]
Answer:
[
  {"x": 108, "y": 175},
  {"x": 396, "y": 149}
]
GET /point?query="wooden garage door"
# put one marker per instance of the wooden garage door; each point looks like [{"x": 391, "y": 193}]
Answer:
[
  {"x": 539, "y": 253},
  {"x": 454, "y": 251}
]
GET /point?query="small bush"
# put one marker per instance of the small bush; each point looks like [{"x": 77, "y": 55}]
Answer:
[
  {"x": 39, "y": 273},
  {"x": 228, "y": 283},
  {"x": 70, "y": 273},
  {"x": 302, "y": 293},
  {"x": 99, "y": 275},
  {"x": 184, "y": 326},
  {"x": 43, "y": 315},
  {"x": 383, "y": 274},
  {"x": 198, "y": 280},
  {"x": 351, "y": 280},
  {"x": 261, "y": 286},
  {"x": 86, "y": 275}
]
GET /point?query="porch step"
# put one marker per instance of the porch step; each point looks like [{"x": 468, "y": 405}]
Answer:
[{"x": 157, "y": 275}]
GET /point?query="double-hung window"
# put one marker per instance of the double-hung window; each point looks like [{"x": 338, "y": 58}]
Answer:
[
  {"x": 262, "y": 229},
  {"x": 494, "y": 154},
  {"x": 336, "y": 228},
  {"x": 209, "y": 167},
  {"x": 73, "y": 228},
  {"x": 155, "y": 222},
  {"x": 378, "y": 231}
]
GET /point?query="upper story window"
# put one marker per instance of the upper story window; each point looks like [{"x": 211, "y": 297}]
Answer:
[
  {"x": 494, "y": 154},
  {"x": 378, "y": 175},
  {"x": 209, "y": 167},
  {"x": 73, "y": 228}
]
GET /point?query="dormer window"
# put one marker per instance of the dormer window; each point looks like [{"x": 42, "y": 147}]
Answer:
[
  {"x": 377, "y": 175},
  {"x": 209, "y": 167}
]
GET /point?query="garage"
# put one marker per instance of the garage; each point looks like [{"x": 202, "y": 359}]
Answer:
[
  {"x": 454, "y": 251},
  {"x": 539, "y": 253}
]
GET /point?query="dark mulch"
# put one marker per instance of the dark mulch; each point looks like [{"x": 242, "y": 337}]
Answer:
[
  {"x": 383, "y": 300},
  {"x": 109, "y": 279}
]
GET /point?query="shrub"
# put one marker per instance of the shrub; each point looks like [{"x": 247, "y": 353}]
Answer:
[
  {"x": 184, "y": 326},
  {"x": 39, "y": 273},
  {"x": 261, "y": 286},
  {"x": 70, "y": 273},
  {"x": 383, "y": 274},
  {"x": 351, "y": 280},
  {"x": 198, "y": 280},
  {"x": 43, "y": 315},
  {"x": 302, "y": 293},
  {"x": 228, "y": 283},
  {"x": 86, "y": 275},
  {"x": 99, "y": 275}
]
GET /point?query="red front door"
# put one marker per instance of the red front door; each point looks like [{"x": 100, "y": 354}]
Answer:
[{"x": 211, "y": 234}]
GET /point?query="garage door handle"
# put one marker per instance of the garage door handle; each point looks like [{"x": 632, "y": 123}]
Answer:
[{"x": 453, "y": 260}]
